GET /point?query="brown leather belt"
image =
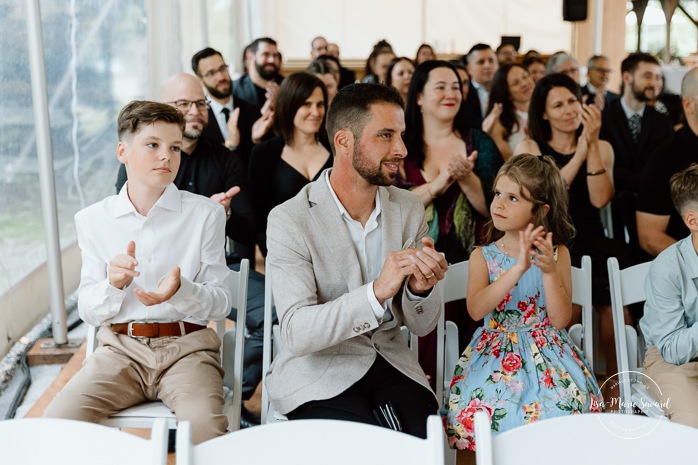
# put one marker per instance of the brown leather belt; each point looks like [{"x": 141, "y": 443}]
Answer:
[{"x": 177, "y": 328}]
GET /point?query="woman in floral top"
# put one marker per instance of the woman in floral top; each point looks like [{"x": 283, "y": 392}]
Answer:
[{"x": 521, "y": 366}]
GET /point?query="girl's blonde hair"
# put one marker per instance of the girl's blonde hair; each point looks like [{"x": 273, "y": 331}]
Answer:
[{"x": 543, "y": 184}]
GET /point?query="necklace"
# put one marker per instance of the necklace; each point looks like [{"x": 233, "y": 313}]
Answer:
[{"x": 504, "y": 248}]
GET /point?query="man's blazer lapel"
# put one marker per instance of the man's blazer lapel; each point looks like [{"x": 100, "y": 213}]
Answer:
[
  {"x": 332, "y": 233},
  {"x": 391, "y": 223}
]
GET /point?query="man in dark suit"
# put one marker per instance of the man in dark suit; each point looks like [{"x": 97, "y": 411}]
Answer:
[
  {"x": 236, "y": 124},
  {"x": 260, "y": 85},
  {"x": 481, "y": 65},
  {"x": 598, "y": 75},
  {"x": 635, "y": 130}
]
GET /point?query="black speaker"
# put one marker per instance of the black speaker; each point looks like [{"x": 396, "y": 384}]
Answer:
[{"x": 574, "y": 10}]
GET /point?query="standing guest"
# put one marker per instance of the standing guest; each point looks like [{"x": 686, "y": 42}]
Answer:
[
  {"x": 599, "y": 73},
  {"x": 283, "y": 165},
  {"x": 507, "y": 119},
  {"x": 351, "y": 264},
  {"x": 658, "y": 223},
  {"x": 451, "y": 167},
  {"x": 425, "y": 52},
  {"x": 260, "y": 85},
  {"x": 535, "y": 67},
  {"x": 318, "y": 47},
  {"x": 506, "y": 54},
  {"x": 463, "y": 76},
  {"x": 634, "y": 130},
  {"x": 399, "y": 75},
  {"x": 564, "y": 63},
  {"x": 153, "y": 275},
  {"x": 324, "y": 71},
  {"x": 377, "y": 65},
  {"x": 521, "y": 366},
  {"x": 481, "y": 63},
  {"x": 561, "y": 126},
  {"x": 671, "y": 312},
  {"x": 235, "y": 123}
]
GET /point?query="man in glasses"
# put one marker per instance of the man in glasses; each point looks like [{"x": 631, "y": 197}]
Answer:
[
  {"x": 235, "y": 123},
  {"x": 599, "y": 74}
]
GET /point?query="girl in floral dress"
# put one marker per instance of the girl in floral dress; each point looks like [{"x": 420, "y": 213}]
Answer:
[{"x": 521, "y": 366}]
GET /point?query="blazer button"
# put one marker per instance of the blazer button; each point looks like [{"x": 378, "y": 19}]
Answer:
[
  {"x": 357, "y": 329},
  {"x": 419, "y": 309},
  {"x": 366, "y": 325}
]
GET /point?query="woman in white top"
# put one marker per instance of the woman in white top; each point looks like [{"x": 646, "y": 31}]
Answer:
[{"x": 507, "y": 110}]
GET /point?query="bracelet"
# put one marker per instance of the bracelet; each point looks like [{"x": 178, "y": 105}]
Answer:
[{"x": 597, "y": 172}]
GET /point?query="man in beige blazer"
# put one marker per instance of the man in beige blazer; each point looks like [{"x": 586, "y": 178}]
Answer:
[{"x": 350, "y": 265}]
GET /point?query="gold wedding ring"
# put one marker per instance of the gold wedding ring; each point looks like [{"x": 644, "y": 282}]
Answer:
[{"x": 430, "y": 276}]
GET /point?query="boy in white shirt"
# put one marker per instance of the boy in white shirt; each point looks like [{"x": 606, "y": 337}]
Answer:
[{"x": 153, "y": 275}]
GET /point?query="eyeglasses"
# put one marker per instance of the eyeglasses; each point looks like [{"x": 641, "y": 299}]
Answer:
[
  {"x": 223, "y": 70},
  {"x": 602, "y": 70},
  {"x": 185, "y": 105}
]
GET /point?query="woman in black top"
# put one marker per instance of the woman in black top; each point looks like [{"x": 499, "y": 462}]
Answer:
[{"x": 280, "y": 167}]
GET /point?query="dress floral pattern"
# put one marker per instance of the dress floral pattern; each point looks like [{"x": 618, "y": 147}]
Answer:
[{"x": 518, "y": 368}]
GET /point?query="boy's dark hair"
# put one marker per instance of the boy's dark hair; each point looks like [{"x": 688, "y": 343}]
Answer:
[
  {"x": 139, "y": 113},
  {"x": 631, "y": 62},
  {"x": 684, "y": 188},
  {"x": 200, "y": 55},
  {"x": 541, "y": 178},
  {"x": 293, "y": 92},
  {"x": 351, "y": 107}
]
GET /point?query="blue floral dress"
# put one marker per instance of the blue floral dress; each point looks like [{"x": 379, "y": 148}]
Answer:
[{"x": 518, "y": 368}]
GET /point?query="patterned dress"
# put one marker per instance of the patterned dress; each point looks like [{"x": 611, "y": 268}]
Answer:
[{"x": 518, "y": 368}]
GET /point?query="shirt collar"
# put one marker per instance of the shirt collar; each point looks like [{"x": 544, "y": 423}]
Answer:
[
  {"x": 343, "y": 211},
  {"x": 689, "y": 255},
  {"x": 629, "y": 111},
  {"x": 169, "y": 200},
  {"x": 218, "y": 108}
]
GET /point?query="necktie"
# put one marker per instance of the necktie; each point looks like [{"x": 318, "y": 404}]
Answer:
[
  {"x": 226, "y": 112},
  {"x": 635, "y": 125}
]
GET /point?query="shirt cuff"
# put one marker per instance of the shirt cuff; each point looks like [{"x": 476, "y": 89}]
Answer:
[
  {"x": 378, "y": 309},
  {"x": 416, "y": 298}
]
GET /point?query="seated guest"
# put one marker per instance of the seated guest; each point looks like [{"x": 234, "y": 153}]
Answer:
[
  {"x": 151, "y": 287},
  {"x": 283, "y": 165},
  {"x": 507, "y": 118},
  {"x": 562, "y": 62},
  {"x": 347, "y": 76},
  {"x": 536, "y": 67},
  {"x": 599, "y": 73},
  {"x": 506, "y": 54},
  {"x": 671, "y": 312},
  {"x": 658, "y": 223},
  {"x": 425, "y": 52},
  {"x": 260, "y": 85},
  {"x": 377, "y": 65},
  {"x": 328, "y": 75},
  {"x": 351, "y": 263},
  {"x": 561, "y": 126},
  {"x": 399, "y": 74}
]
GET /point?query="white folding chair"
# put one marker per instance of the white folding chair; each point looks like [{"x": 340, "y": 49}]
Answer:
[
  {"x": 452, "y": 288},
  {"x": 232, "y": 353},
  {"x": 612, "y": 438},
  {"x": 582, "y": 334},
  {"x": 315, "y": 442},
  {"x": 628, "y": 287},
  {"x": 31, "y": 441}
]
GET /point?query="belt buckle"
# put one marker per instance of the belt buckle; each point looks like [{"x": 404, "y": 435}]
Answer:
[{"x": 130, "y": 329}]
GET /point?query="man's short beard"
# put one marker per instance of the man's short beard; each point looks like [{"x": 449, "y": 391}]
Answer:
[
  {"x": 193, "y": 134},
  {"x": 640, "y": 95},
  {"x": 264, "y": 74},
  {"x": 372, "y": 175},
  {"x": 215, "y": 93}
]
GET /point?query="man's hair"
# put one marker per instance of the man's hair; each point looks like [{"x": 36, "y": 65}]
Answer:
[
  {"x": 631, "y": 62},
  {"x": 556, "y": 60},
  {"x": 476, "y": 48},
  {"x": 200, "y": 55},
  {"x": 254, "y": 46},
  {"x": 141, "y": 113},
  {"x": 293, "y": 92},
  {"x": 592, "y": 61},
  {"x": 501, "y": 46},
  {"x": 351, "y": 107},
  {"x": 684, "y": 188}
]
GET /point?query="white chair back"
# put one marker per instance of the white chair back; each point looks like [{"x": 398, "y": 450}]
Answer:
[
  {"x": 232, "y": 355},
  {"x": 31, "y": 441},
  {"x": 582, "y": 334},
  {"x": 315, "y": 442}
]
